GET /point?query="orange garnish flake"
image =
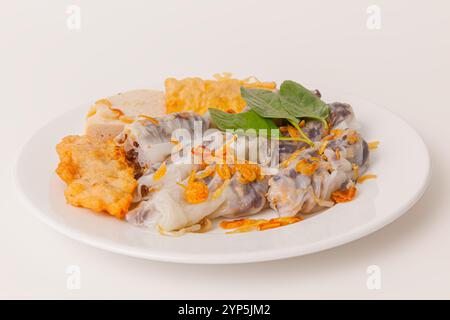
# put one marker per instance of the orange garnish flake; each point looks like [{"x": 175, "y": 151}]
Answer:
[
  {"x": 366, "y": 177},
  {"x": 236, "y": 223},
  {"x": 246, "y": 225},
  {"x": 117, "y": 111},
  {"x": 353, "y": 138},
  {"x": 268, "y": 225},
  {"x": 337, "y": 132},
  {"x": 293, "y": 132},
  {"x": 355, "y": 172},
  {"x": 203, "y": 154},
  {"x": 283, "y": 129},
  {"x": 223, "y": 170},
  {"x": 126, "y": 119},
  {"x": 306, "y": 167},
  {"x": 345, "y": 195},
  {"x": 195, "y": 191},
  {"x": 338, "y": 154},
  {"x": 250, "y": 82},
  {"x": 373, "y": 145},
  {"x": 248, "y": 172},
  {"x": 105, "y": 102},
  {"x": 152, "y": 120},
  {"x": 287, "y": 220},
  {"x": 221, "y": 189},
  {"x": 323, "y": 147},
  {"x": 302, "y": 124},
  {"x": 91, "y": 112},
  {"x": 260, "y": 85},
  {"x": 181, "y": 185},
  {"x": 292, "y": 157},
  {"x": 161, "y": 172}
]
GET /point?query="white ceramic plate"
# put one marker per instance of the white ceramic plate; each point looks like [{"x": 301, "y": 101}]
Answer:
[{"x": 401, "y": 163}]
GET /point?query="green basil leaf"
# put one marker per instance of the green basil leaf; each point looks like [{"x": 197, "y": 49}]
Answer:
[
  {"x": 269, "y": 105},
  {"x": 301, "y": 102},
  {"x": 244, "y": 120},
  {"x": 265, "y": 103}
]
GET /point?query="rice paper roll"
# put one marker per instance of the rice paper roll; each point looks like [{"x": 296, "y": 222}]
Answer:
[
  {"x": 179, "y": 164},
  {"x": 341, "y": 117},
  {"x": 149, "y": 141},
  {"x": 305, "y": 185},
  {"x": 243, "y": 199},
  {"x": 228, "y": 196}
]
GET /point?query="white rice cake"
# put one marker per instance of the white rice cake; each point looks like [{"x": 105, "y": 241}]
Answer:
[{"x": 107, "y": 117}]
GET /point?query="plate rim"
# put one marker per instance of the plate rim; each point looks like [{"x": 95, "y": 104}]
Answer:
[{"x": 241, "y": 258}]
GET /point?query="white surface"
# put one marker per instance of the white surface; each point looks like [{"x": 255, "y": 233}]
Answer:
[
  {"x": 47, "y": 69},
  {"x": 378, "y": 203}
]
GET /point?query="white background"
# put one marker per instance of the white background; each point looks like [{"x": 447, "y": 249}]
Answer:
[{"x": 46, "y": 69}]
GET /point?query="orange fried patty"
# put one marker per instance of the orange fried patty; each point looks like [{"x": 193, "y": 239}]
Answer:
[{"x": 97, "y": 175}]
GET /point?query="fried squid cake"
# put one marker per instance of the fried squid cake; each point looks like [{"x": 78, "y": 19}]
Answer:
[{"x": 97, "y": 174}]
